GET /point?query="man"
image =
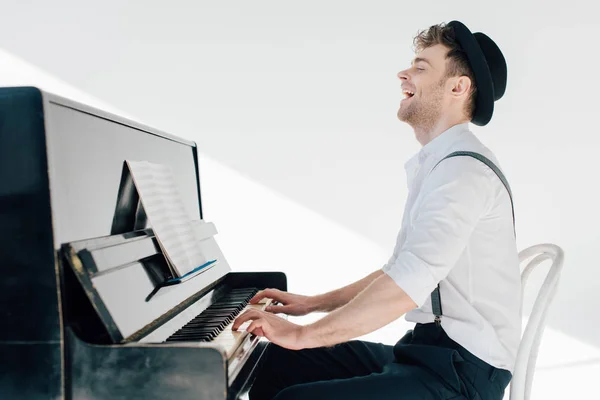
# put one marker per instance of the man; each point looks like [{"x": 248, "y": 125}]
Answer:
[{"x": 454, "y": 270}]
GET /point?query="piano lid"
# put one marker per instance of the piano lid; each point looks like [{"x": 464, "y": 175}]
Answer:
[{"x": 86, "y": 151}]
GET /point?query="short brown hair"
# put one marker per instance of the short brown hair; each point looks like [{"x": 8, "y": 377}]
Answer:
[{"x": 458, "y": 63}]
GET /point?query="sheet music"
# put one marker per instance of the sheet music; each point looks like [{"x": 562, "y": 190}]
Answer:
[{"x": 167, "y": 215}]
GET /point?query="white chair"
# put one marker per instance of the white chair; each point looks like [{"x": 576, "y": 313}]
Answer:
[{"x": 520, "y": 387}]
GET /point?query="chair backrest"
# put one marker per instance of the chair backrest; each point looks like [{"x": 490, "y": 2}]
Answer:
[{"x": 520, "y": 387}]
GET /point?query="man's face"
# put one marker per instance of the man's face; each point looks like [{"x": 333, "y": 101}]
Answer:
[{"x": 426, "y": 80}]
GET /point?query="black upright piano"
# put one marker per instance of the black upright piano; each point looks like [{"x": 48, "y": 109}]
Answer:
[{"x": 87, "y": 305}]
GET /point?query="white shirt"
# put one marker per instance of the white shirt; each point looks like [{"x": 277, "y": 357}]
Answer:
[{"x": 457, "y": 230}]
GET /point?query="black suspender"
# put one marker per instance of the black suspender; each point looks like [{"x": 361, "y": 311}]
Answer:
[{"x": 436, "y": 301}]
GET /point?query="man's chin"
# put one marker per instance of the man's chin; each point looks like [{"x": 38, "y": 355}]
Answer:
[
  {"x": 406, "y": 119},
  {"x": 402, "y": 116}
]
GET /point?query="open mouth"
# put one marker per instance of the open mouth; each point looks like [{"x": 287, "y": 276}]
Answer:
[{"x": 407, "y": 94}]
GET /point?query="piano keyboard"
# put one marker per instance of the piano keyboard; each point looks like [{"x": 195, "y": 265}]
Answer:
[
  {"x": 212, "y": 321},
  {"x": 213, "y": 324}
]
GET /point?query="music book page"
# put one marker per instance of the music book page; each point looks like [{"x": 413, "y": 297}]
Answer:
[{"x": 167, "y": 215}]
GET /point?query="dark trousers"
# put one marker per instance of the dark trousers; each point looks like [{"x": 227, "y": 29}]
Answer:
[{"x": 424, "y": 364}]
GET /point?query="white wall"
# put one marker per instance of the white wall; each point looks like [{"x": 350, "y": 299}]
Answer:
[{"x": 293, "y": 106}]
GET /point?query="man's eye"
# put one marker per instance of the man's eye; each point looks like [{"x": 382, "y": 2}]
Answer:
[{"x": 420, "y": 69}]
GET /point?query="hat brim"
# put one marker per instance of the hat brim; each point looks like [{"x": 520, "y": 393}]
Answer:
[{"x": 484, "y": 103}]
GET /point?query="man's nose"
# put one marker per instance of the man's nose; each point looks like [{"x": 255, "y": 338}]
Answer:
[{"x": 402, "y": 75}]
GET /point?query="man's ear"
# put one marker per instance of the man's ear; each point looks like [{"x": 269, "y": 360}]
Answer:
[{"x": 461, "y": 86}]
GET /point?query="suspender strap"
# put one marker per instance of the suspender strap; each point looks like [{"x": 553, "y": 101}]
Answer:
[
  {"x": 436, "y": 304},
  {"x": 492, "y": 166},
  {"x": 436, "y": 300}
]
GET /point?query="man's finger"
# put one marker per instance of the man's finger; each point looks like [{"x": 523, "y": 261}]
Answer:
[
  {"x": 261, "y": 295},
  {"x": 246, "y": 316},
  {"x": 277, "y": 309},
  {"x": 256, "y": 327}
]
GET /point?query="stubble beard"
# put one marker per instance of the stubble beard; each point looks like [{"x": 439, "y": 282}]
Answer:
[{"x": 423, "y": 113}]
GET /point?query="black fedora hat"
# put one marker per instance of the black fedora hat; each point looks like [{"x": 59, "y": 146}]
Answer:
[{"x": 489, "y": 67}]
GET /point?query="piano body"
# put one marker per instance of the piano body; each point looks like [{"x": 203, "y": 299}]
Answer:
[{"x": 79, "y": 262}]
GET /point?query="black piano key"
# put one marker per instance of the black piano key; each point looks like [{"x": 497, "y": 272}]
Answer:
[
  {"x": 209, "y": 326},
  {"x": 203, "y": 326},
  {"x": 189, "y": 339},
  {"x": 182, "y": 336},
  {"x": 187, "y": 335},
  {"x": 234, "y": 295},
  {"x": 225, "y": 306},
  {"x": 236, "y": 298},
  {"x": 206, "y": 332},
  {"x": 211, "y": 318},
  {"x": 199, "y": 324},
  {"x": 205, "y": 322},
  {"x": 241, "y": 290},
  {"x": 215, "y": 312},
  {"x": 211, "y": 322},
  {"x": 196, "y": 335},
  {"x": 221, "y": 311}
]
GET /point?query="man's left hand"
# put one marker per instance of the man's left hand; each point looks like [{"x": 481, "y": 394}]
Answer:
[{"x": 274, "y": 328}]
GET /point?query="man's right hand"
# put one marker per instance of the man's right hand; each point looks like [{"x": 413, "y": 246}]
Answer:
[{"x": 292, "y": 304}]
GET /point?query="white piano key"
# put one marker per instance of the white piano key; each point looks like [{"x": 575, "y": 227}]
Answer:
[{"x": 228, "y": 340}]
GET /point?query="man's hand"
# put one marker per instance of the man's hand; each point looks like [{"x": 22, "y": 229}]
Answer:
[
  {"x": 274, "y": 328},
  {"x": 293, "y": 304}
]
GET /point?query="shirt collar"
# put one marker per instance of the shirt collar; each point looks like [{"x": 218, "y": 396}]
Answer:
[
  {"x": 440, "y": 143},
  {"x": 436, "y": 147}
]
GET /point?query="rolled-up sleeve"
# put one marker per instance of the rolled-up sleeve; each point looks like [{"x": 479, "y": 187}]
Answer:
[{"x": 451, "y": 202}]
